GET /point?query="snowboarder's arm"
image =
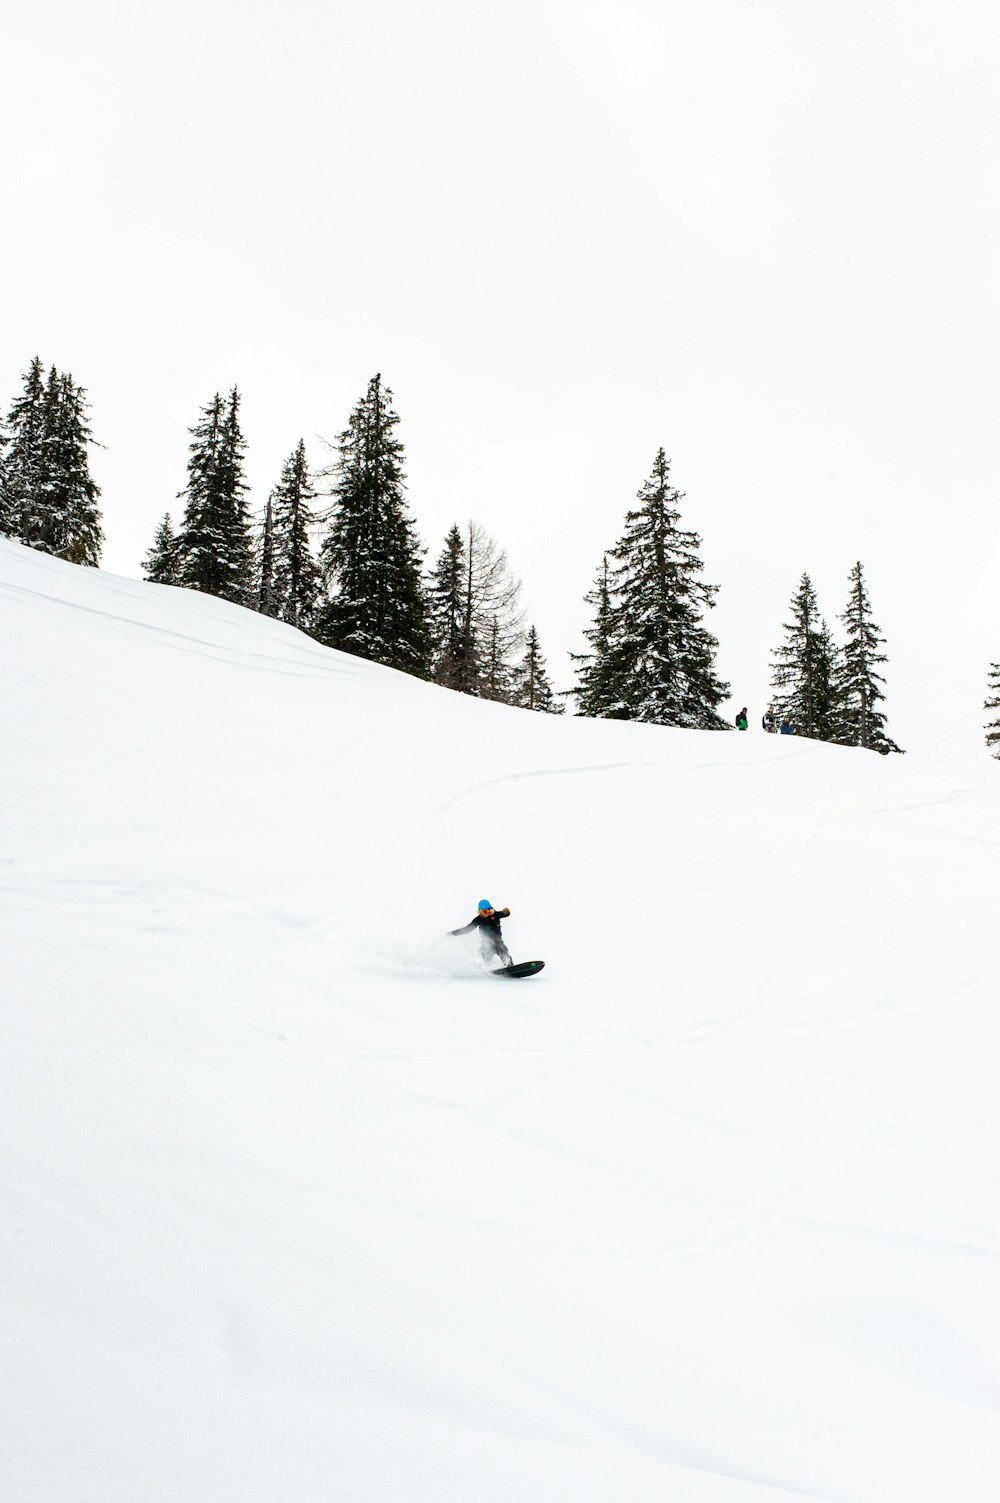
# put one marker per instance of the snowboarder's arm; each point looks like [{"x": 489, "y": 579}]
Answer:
[{"x": 468, "y": 928}]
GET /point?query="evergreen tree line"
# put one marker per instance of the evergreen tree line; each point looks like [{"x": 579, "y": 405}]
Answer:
[
  {"x": 351, "y": 572},
  {"x": 652, "y": 658}
]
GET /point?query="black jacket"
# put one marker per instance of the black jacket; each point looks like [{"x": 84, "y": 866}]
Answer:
[{"x": 488, "y": 921}]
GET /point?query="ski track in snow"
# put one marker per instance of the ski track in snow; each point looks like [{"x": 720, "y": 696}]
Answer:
[{"x": 297, "y": 1202}]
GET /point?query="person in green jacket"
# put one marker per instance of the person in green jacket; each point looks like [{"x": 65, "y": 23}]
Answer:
[{"x": 741, "y": 720}]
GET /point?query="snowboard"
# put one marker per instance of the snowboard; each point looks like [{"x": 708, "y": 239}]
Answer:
[{"x": 523, "y": 968}]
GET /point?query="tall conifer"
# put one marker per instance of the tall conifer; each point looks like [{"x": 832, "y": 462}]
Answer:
[
  {"x": 371, "y": 558},
  {"x": 452, "y": 650},
  {"x": 993, "y": 705},
  {"x": 48, "y": 497},
  {"x": 21, "y": 470},
  {"x": 496, "y": 670},
  {"x": 829, "y": 698},
  {"x": 296, "y": 572},
  {"x": 806, "y": 669},
  {"x": 863, "y": 723},
  {"x": 67, "y": 520},
  {"x": 600, "y": 691},
  {"x": 214, "y": 546},
  {"x": 656, "y": 661}
]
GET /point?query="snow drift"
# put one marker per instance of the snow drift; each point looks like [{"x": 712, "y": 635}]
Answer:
[{"x": 300, "y": 1205}]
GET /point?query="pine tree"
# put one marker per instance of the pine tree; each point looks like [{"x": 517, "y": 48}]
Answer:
[
  {"x": 993, "y": 704},
  {"x": 371, "y": 558},
  {"x": 829, "y": 699},
  {"x": 63, "y": 518},
  {"x": 21, "y": 471},
  {"x": 48, "y": 497},
  {"x": 162, "y": 563},
  {"x": 653, "y": 658},
  {"x": 495, "y": 669},
  {"x": 296, "y": 583},
  {"x": 806, "y": 671},
  {"x": 863, "y": 724},
  {"x": 214, "y": 546},
  {"x": 266, "y": 599},
  {"x": 600, "y": 692},
  {"x": 532, "y": 689},
  {"x": 452, "y": 651}
]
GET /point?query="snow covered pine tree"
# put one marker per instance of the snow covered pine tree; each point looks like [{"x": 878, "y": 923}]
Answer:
[
  {"x": 20, "y": 472},
  {"x": 48, "y": 497},
  {"x": 371, "y": 559},
  {"x": 804, "y": 673},
  {"x": 652, "y": 657},
  {"x": 862, "y": 722},
  {"x": 598, "y": 694},
  {"x": 296, "y": 583},
  {"x": 453, "y": 652},
  {"x": 214, "y": 547}
]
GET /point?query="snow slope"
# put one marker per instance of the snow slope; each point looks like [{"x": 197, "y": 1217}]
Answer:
[{"x": 299, "y": 1205}]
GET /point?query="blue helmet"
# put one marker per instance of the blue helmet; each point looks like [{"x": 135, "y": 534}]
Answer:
[{"x": 484, "y": 903}]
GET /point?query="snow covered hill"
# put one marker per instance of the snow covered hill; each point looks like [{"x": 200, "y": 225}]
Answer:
[{"x": 299, "y": 1206}]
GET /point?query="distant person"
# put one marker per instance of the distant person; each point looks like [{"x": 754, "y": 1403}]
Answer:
[
  {"x": 769, "y": 721},
  {"x": 787, "y": 728},
  {"x": 487, "y": 921},
  {"x": 741, "y": 720}
]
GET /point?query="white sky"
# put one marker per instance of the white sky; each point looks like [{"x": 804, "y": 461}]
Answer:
[{"x": 761, "y": 234}]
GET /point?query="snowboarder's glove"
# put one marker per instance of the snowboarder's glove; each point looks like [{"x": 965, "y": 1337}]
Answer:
[{"x": 505, "y": 912}]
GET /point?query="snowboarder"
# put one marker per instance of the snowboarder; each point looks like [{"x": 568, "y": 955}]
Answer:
[
  {"x": 787, "y": 728},
  {"x": 487, "y": 921},
  {"x": 769, "y": 723},
  {"x": 741, "y": 720}
]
